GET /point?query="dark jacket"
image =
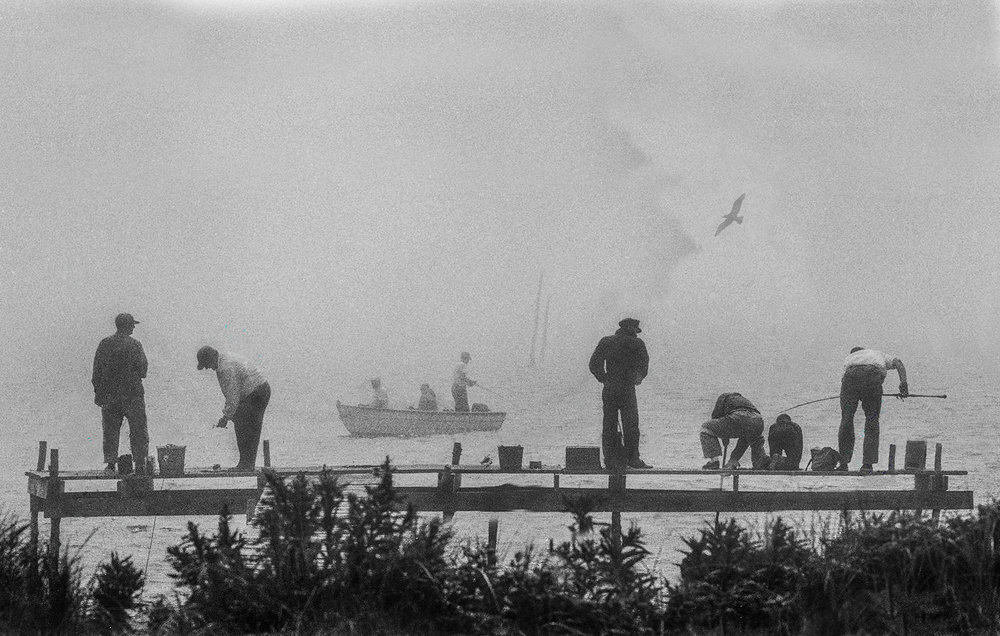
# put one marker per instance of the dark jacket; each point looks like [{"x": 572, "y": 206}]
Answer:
[
  {"x": 621, "y": 360},
  {"x": 729, "y": 402},
  {"x": 119, "y": 367}
]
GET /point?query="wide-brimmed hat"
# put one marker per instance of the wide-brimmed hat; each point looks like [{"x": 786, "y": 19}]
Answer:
[{"x": 630, "y": 323}]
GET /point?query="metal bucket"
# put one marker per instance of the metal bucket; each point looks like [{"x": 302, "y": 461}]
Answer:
[
  {"x": 171, "y": 459},
  {"x": 510, "y": 457}
]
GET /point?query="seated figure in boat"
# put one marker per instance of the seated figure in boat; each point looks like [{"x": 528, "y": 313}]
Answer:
[
  {"x": 428, "y": 399},
  {"x": 784, "y": 442},
  {"x": 380, "y": 397},
  {"x": 733, "y": 416}
]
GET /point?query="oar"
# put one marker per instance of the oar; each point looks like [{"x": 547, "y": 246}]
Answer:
[{"x": 834, "y": 397}]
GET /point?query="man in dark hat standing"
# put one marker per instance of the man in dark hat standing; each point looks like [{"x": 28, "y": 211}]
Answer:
[
  {"x": 620, "y": 362},
  {"x": 119, "y": 367}
]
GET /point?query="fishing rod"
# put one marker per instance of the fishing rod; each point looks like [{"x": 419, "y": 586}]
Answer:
[
  {"x": 489, "y": 390},
  {"x": 834, "y": 397}
]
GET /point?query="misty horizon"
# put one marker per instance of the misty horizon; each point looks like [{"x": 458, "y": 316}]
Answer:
[{"x": 373, "y": 188}]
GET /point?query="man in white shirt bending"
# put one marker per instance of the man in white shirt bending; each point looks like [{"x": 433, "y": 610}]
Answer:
[
  {"x": 247, "y": 394},
  {"x": 864, "y": 372}
]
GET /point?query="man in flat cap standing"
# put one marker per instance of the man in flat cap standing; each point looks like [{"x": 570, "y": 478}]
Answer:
[
  {"x": 247, "y": 394},
  {"x": 119, "y": 367},
  {"x": 620, "y": 362}
]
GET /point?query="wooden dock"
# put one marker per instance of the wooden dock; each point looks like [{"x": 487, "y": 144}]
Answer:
[{"x": 194, "y": 493}]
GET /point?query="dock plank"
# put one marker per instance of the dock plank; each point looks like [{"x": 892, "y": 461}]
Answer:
[
  {"x": 369, "y": 469},
  {"x": 162, "y": 503},
  {"x": 544, "y": 499}
]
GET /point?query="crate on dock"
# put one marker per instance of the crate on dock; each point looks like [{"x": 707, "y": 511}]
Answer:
[
  {"x": 583, "y": 457},
  {"x": 171, "y": 459}
]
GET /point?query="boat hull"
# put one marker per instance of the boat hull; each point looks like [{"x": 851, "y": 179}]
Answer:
[{"x": 365, "y": 421}]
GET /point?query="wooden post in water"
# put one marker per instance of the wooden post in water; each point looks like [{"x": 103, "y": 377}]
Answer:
[
  {"x": 34, "y": 506},
  {"x": 491, "y": 541},
  {"x": 936, "y": 480},
  {"x": 456, "y": 459},
  {"x": 449, "y": 482},
  {"x": 55, "y": 487},
  {"x": 267, "y": 453},
  {"x": 42, "y": 449},
  {"x": 892, "y": 458},
  {"x": 616, "y": 489}
]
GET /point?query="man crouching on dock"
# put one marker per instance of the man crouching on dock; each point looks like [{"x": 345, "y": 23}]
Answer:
[
  {"x": 733, "y": 416},
  {"x": 247, "y": 394},
  {"x": 620, "y": 362}
]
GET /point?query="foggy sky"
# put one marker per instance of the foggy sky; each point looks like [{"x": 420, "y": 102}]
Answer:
[{"x": 365, "y": 186}]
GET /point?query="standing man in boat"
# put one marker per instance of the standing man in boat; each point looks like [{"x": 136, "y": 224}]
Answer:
[
  {"x": 864, "y": 373},
  {"x": 460, "y": 383},
  {"x": 247, "y": 393},
  {"x": 620, "y": 362},
  {"x": 380, "y": 397},
  {"x": 119, "y": 367}
]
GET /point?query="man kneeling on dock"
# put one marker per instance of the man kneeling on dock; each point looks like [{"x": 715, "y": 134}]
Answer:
[
  {"x": 784, "y": 442},
  {"x": 733, "y": 416}
]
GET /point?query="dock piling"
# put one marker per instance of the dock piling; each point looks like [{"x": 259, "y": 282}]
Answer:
[
  {"x": 55, "y": 488},
  {"x": 34, "y": 505},
  {"x": 42, "y": 447},
  {"x": 938, "y": 481},
  {"x": 892, "y": 458},
  {"x": 491, "y": 541}
]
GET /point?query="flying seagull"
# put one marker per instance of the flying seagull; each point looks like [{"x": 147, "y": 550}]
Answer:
[{"x": 732, "y": 216}]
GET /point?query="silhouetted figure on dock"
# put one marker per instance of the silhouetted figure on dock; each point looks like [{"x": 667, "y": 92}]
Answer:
[
  {"x": 380, "y": 397},
  {"x": 784, "y": 444},
  {"x": 620, "y": 362},
  {"x": 428, "y": 399},
  {"x": 864, "y": 373},
  {"x": 247, "y": 394},
  {"x": 119, "y": 367},
  {"x": 460, "y": 383},
  {"x": 733, "y": 416},
  {"x": 733, "y": 216}
]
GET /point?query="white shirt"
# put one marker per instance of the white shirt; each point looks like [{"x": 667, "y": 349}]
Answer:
[
  {"x": 871, "y": 357},
  {"x": 238, "y": 378}
]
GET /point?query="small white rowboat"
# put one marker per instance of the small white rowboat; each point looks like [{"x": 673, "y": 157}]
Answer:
[{"x": 367, "y": 421}]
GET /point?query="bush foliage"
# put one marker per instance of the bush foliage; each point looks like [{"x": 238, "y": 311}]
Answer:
[{"x": 322, "y": 560}]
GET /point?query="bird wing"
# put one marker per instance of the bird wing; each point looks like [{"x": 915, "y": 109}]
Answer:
[{"x": 723, "y": 226}]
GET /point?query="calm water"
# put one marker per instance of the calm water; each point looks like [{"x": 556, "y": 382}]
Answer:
[{"x": 546, "y": 412}]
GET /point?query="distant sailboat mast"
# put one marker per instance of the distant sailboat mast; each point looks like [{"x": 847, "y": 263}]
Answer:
[
  {"x": 545, "y": 329},
  {"x": 538, "y": 308}
]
